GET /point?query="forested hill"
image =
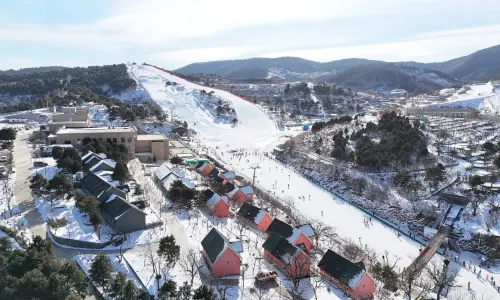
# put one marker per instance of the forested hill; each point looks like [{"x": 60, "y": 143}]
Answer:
[
  {"x": 92, "y": 78},
  {"x": 31, "y": 70}
]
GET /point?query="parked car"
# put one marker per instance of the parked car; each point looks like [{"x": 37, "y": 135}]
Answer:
[
  {"x": 39, "y": 164},
  {"x": 265, "y": 276},
  {"x": 3, "y": 158}
]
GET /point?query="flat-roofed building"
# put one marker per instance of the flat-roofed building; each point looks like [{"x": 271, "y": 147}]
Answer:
[
  {"x": 443, "y": 111},
  {"x": 150, "y": 145},
  {"x": 69, "y": 117},
  {"x": 156, "y": 144}
]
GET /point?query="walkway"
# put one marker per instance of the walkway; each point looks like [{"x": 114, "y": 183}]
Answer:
[
  {"x": 22, "y": 192},
  {"x": 425, "y": 256}
]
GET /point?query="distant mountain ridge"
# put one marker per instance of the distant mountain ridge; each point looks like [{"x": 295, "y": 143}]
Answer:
[{"x": 416, "y": 77}]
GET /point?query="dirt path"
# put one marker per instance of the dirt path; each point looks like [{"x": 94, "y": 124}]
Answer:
[{"x": 22, "y": 192}]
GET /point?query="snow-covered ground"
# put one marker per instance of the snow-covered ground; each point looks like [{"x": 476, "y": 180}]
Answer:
[
  {"x": 257, "y": 132},
  {"x": 10, "y": 212}
]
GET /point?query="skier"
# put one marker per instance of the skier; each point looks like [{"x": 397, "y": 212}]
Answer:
[
  {"x": 468, "y": 286},
  {"x": 322, "y": 213}
]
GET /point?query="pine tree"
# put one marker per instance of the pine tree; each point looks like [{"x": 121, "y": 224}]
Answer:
[
  {"x": 204, "y": 293},
  {"x": 121, "y": 172},
  {"x": 100, "y": 271},
  {"x": 169, "y": 250},
  {"x": 168, "y": 290}
]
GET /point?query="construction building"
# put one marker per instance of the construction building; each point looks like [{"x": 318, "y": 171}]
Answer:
[
  {"x": 69, "y": 117},
  {"x": 143, "y": 146},
  {"x": 443, "y": 111}
]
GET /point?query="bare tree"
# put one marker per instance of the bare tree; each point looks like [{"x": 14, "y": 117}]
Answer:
[
  {"x": 352, "y": 251},
  {"x": 412, "y": 284},
  {"x": 296, "y": 271},
  {"x": 156, "y": 262},
  {"x": 442, "y": 278},
  {"x": 190, "y": 264},
  {"x": 316, "y": 283}
]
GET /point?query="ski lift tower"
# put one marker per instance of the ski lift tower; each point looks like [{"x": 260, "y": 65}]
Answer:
[{"x": 254, "y": 167}]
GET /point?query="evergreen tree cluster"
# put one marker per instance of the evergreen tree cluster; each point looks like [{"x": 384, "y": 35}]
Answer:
[
  {"x": 117, "y": 151},
  {"x": 317, "y": 126},
  {"x": 92, "y": 78},
  {"x": 68, "y": 159},
  {"x": 398, "y": 141},
  {"x": 8, "y": 134},
  {"x": 36, "y": 274},
  {"x": 82, "y": 85}
]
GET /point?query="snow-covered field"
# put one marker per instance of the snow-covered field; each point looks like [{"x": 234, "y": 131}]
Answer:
[{"x": 257, "y": 131}]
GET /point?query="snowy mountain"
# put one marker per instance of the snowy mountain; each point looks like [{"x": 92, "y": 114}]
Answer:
[{"x": 359, "y": 73}]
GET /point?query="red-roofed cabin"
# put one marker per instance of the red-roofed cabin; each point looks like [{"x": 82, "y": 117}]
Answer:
[
  {"x": 228, "y": 176},
  {"x": 204, "y": 168},
  {"x": 248, "y": 191},
  {"x": 218, "y": 205},
  {"x": 257, "y": 217},
  {"x": 290, "y": 259},
  {"x": 347, "y": 276},
  {"x": 221, "y": 257},
  {"x": 237, "y": 195},
  {"x": 293, "y": 235}
]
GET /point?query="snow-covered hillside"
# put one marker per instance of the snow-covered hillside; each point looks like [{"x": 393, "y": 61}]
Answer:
[
  {"x": 483, "y": 97},
  {"x": 254, "y": 130}
]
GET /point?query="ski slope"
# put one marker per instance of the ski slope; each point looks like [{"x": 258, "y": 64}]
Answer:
[{"x": 256, "y": 132}]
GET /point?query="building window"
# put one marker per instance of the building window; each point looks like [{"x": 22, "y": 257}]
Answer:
[
  {"x": 115, "y": 140},
  {"x": 108, "y": 140},
  {"x": 129, "y": 140},
  {"x": 78, "y": 141},
  {"x": 122, "y": 140}
]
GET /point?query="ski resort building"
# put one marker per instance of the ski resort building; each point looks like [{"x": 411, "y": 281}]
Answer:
[
  {"x": 222, "y": 256},
  {"x": 443, "y": 111},
  {"x": 69, "y": 117},
  {"x": 293, "y": 235},
  {"x": 255, "y": 216},
  {"x": 290, "y": 259},
  {"x": 144, "y": 146},
  {"x": 347, "y": 276}
]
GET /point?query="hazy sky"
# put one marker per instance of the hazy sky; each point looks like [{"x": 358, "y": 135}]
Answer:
[{"x": 174, "y": 33}]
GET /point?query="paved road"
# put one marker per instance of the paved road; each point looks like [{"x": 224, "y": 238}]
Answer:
[{"x": 22, "y": 192}]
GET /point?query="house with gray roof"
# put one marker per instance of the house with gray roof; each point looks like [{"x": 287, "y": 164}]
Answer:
[
  {"x": 121, "y": 215},
  {"x": 221, "y": 255}
]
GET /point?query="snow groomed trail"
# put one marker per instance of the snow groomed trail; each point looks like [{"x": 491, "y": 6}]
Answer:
[
  {"x": 255, "y": 128},
  {"x": 255, "y": 132}
]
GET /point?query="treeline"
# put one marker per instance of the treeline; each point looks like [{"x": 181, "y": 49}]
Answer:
[
  {"x": 92, "y": 78},
  {"x": 341, "y": 120}
]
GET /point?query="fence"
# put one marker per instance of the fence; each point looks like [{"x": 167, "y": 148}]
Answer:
[{"x": 77, "y": 243}]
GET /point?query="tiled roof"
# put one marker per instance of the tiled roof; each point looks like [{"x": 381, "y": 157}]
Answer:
[
  {"x": 280, "y": 228},
  {"x": 342, "y": 269}
]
